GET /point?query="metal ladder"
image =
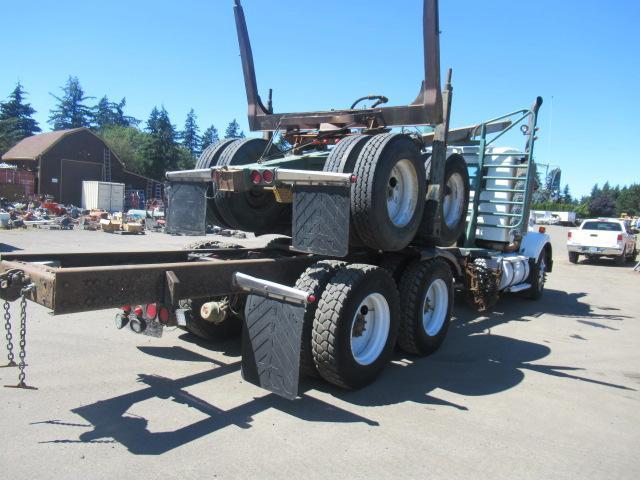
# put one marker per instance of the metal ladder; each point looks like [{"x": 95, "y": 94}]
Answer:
[
  {"x": 106, "y": 167},
  {"x": 525, "y": 173}
]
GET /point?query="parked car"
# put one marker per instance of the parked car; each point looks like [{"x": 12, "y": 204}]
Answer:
[{"x": 602, "y": 237}]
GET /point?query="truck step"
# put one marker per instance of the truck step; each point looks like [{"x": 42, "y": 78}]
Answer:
[{"x": 519, "y": 287}]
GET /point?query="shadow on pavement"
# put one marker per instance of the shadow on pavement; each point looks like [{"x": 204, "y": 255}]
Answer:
[
  {"x": 4, "y": 248},
  {"x": 472, "y": 362}
]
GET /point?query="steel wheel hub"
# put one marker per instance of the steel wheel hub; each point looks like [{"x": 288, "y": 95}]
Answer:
[
  {"x": 402, "y": 193},
  {"x": 454, "y": 200},
  {"x": 370, "y": 329},
  {"x": 435, "y": 307}
]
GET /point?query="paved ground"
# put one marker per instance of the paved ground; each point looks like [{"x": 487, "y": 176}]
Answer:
[{"x": 530, "y": 390}]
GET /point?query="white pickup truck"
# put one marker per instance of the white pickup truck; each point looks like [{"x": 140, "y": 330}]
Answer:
[{"x": 602, "y": 237}]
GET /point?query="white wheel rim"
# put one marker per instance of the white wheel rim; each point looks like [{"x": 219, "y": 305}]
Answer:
[
  {"x": 370, "y": 329},
  {"x": 454, "y": 200},
  {"x": 435, "y": 307},
  {"x": 402, "y": 193},
  {"x": 541, "y": 274}
]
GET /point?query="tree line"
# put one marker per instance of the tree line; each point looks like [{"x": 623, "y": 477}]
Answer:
[
  {"x": 605, "y": 201},
  {"x": 149, "y": 150}
]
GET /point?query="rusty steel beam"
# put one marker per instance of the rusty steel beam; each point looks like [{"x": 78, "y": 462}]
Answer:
[{"x": 80, "y": 289}]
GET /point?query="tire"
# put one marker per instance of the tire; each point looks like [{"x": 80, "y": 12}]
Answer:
[
  {"x": 256, "y": 210},
  {"x": 208, "y": 244},
  {"x": 395, "y": 264},
  {"x": 279, "y": 243},
  {"x": 387, "y": 198},
  {"x": 427, "y": 282},
  {"x": 454, "y": 208},
  {"x": 313, "y": 280},
  {"x": 209, "y": 158},
  {"x": 342, "y": 159},
  {"x": 354, "y": 292},
  {"x": 573, "y": 257},
  {"x": 621, "y": 259},
  {"x": 537, "y": 277}
]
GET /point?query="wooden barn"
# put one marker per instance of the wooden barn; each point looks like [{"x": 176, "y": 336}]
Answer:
[{"x": 63, "y": 159}]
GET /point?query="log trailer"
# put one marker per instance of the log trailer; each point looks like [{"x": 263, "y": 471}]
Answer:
[{"x": 382, "y": 222}]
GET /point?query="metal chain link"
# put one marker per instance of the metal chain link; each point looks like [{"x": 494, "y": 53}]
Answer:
[
  {"x": 22, "y": 354},
  {"x": 8, "y": 336},
  {"x": 23, "y": 338}
]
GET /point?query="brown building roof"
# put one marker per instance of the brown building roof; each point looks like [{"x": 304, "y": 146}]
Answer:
[{"x": 31, "y": 148}]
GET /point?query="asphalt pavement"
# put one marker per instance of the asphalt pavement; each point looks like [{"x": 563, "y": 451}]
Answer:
[{"x": 532, "y": 389}]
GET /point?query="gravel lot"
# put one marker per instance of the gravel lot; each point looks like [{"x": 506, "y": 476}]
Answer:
[{"x": 529, "y": 390}]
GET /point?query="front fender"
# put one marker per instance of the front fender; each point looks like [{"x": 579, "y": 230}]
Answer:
[{"x": 534, "y": 243}]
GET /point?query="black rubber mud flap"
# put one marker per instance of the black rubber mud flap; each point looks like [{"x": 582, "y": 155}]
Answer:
[
  {"x": 321, "y": 220},
  {"x": 271, "y": 345},
  {"x": 186, "y": 208}
]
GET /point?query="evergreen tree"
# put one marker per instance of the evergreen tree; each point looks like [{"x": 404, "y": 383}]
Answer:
[
  {"x": 629, "y": 200},
  {"x": 233, "y": 130},
  {"x": 120, "y": 118},
  {"x": 161, "y": 151},
  {"x": 190, "y": 138},
  {"x": 106, "y": 114},
  {"x": 103, "y": 114},
  {"x": 71, "y": 111},
  {"x": 566, "y": 194},
  {"x": 16, "y": 116},
  {"x": 209, "y": 137}
]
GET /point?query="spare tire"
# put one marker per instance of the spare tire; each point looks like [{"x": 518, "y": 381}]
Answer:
[
  {"x": 388, "y": 195},
  {"x": 454, "y": 205},
  {"x": 256, "y": 210},
  {"x": 209, "y": 158}
]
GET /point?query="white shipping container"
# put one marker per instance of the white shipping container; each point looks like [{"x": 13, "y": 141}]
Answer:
[{"x": 103, "y": 196}]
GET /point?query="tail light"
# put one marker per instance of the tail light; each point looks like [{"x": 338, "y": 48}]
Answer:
[
  {"x": 267, "y": 176},
  {"x": 151, "y": 310},
  {"x": 163, "y": 315},
  {"x": 569, "y": 235},
  {"x": 126, "y": 309},
  {"x": 256, "y": 177},
  {"x": 138, "y": 311},
  {"x": 619, "y": 237}
]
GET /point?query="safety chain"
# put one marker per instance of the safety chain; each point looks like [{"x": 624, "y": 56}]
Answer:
[
  {"x": 22, "y": 354},
  {"x": 8, "y": 336}
]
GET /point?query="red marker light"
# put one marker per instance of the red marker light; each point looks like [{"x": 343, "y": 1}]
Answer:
[
  {"x": 267, "y": 176},
  {"x": 138, "y": 311},
  {"x": 151, "y": 311},
  {"x": 311, "y": 298},
  {"x": 569, "y": 235},
  {"x": 353, "y": 178},
  {"x": 256, "y": 178},
  {"x": 126, "y": 308},
  {"x": 544, "y": 229},
  {"x": 163, "y": 314},
  {"x": 215, "y": 176}
]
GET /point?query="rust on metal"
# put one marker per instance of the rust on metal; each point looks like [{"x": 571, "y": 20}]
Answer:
[{"x": 426, "y": 109}]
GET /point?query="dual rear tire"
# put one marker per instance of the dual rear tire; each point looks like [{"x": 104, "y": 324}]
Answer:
[{"x": 361, "y": 316}]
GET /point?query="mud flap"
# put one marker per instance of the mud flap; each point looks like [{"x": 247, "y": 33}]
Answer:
[
  {"x": 321, "y": 219},
  {"x": 186, "y": 208},
  {"x": 271, "y": 345}
]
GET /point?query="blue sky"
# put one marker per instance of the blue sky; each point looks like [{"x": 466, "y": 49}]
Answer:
[{"x": 324, "y": 54}]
